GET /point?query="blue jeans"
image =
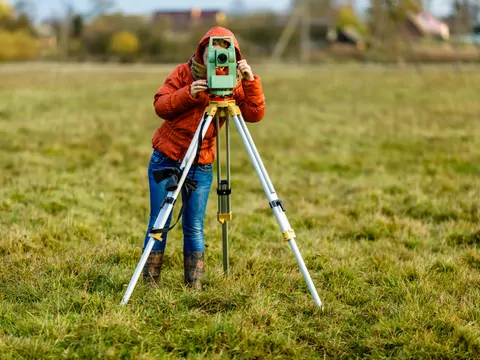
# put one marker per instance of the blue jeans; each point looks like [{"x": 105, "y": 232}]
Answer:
[{"x": 192, "y": 219}]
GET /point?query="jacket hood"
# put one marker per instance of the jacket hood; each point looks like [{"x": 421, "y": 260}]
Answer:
[{"x": 215, "y": 31}]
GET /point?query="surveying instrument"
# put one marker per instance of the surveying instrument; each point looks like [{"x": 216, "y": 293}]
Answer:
[{"x": 221, "y": 105}]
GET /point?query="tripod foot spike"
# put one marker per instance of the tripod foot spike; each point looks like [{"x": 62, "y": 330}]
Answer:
[{"x": 305, "y": 273}]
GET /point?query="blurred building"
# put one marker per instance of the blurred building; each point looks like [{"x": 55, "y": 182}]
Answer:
[
  {"x": 424, "y": 24},
  {"x": 182, "y": 20}
]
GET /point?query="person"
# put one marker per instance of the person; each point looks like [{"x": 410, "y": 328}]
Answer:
[{"x": 181, "y": 102}]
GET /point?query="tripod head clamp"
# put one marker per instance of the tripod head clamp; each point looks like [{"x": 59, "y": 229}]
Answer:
[{"x": 225, "y": 59}]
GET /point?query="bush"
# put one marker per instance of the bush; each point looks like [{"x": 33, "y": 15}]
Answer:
[
  {"x": 153, "y": 42},
  {"x": 18, "y": 45},
  {"x": 124, "y": 44},
  {"x": 6, "y": 10},
  {"x": 346, "y": 17}
]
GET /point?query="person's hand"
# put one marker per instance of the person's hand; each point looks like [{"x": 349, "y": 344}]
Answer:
[
  {"x": 246, "y": 70},
  {"x": 197, "y": 87}
]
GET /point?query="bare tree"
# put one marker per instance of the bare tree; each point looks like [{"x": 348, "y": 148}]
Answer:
[
  {"x": 25, "y": 7},
  {"x": 65, "y": 29},
  {"x": 238, "y": 7},
  {"x": 302, "y": 13},
  {"x": 100, "y": 7}
]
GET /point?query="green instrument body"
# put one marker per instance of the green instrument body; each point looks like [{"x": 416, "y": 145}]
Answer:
[{"x": 221, "y": 85}]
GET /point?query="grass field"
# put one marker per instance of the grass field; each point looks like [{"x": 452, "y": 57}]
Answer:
[{"x": 379, "y": 171}]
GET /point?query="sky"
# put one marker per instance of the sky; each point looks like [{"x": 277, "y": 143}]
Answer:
[{"x": 46, "y": 8}]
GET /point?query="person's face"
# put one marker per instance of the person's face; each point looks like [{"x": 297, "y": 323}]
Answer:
[{"x": 205, "y": 52}]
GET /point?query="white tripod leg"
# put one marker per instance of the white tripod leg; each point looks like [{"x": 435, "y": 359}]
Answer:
[
  {"x": 275, "y": 203},
  {"x": 168, "y": 203}
]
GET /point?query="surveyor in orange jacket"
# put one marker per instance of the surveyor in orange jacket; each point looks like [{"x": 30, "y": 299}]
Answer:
[{"x": 181, "y": 102}]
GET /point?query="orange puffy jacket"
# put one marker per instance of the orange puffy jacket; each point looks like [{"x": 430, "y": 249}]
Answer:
[{"x": 182, "y": 112}]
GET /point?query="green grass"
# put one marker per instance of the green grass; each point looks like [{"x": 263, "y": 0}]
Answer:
[{"x": 379, "y": 171}]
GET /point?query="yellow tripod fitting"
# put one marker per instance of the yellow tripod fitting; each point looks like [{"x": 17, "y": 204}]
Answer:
[
  {"x": 288, "y": 234},
  {"x": 156, "y": 236},
  {"x": 222, "y": 106},
  {"x": 222, "y": 218}
]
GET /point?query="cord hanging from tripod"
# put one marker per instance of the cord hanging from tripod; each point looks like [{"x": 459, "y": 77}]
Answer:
[{"x": 174, "y": 174}]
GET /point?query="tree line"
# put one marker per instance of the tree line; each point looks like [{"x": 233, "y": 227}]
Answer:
[{"x": 105, "y": 35}]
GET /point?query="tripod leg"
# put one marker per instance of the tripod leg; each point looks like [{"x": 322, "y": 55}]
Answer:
[
  {"x": 275, "y": 203},
  {"x": 168, "y": 204},
  {"x": 223, "y": 191}
]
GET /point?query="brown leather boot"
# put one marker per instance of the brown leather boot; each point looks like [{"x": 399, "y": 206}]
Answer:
[
  {"x": 153, "y": 266},
  {"x": 193, "y": 263}
]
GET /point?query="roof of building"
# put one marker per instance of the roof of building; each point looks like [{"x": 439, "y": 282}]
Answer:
[{"x": 428, "y": 24}]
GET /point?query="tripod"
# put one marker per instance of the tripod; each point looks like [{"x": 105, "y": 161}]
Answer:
[{"x": 222, "y": 107}]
